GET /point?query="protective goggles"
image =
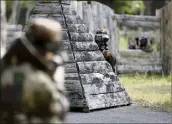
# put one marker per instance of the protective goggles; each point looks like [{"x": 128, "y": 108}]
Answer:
[{"x": 49, "y": 46}]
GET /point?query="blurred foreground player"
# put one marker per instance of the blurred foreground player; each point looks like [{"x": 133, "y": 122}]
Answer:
[{"x": 32, "y": 76}]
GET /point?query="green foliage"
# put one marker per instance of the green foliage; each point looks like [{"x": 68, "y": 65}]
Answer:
[
  {"x": 123, "y": 6},
  {"x": 23, "y": 3},
  {"x": 169, "y": 78},
  {"x": 128, "y": 7},
  {"x": 27, "y": 4},
  {"x": 123, "y": 43}
]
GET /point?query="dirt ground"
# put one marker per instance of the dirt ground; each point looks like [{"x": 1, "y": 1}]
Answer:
[{"x": 126, "y": 114}]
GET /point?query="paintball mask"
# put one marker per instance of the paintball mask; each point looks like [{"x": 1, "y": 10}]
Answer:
[
  {"x": 101, "y": 38},
  {"x": 47, "y": 46},
  {"x": 143, "y": 41},
  {"x": 54, "y": 47}
]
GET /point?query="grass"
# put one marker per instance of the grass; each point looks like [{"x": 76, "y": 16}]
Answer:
[
  {"x": 123, "y": 43},
  {"x": 153, "y": 91}
]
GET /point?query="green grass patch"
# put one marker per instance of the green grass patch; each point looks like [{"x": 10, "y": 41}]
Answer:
[
  {"x": 152, "y": 91},
  {"x": 123, "y": 43}
]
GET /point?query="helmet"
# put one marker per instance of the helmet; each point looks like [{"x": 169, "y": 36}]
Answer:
[
  {"x": 142, "y": 37},
  {"x": 101, "y": 34},
  {"x": 45, "y": 34}
]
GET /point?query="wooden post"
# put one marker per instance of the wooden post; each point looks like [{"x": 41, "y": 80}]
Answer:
[
  {"x": 158, "y": 39},
  {"x": 80, "y": 9},
  {"x": 87, "y": 16},
  {"x": 104, "y": 16},
  {"x": 136, "y": 17},
  {"x": 3, "y": 28},
  {"x": 158, "y": 13},
  {"x": 111, "y": 27},
  {"x": 166, "y": 38},
  {"x": 117, "y": 39},
  {"x": 90, "y": 18},
  {"x": 94, "y": 14},
  {"x": 99, "y": 13},
  {"x": 136, "y": 24},
  {"x": 73, "y": 4},
  {"x": 84, "y": 4}
]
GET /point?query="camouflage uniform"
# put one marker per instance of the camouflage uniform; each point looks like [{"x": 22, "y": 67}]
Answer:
[{"x": 30, "y": 90}]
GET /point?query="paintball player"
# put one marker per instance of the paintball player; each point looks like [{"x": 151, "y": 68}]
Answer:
[
  {"x": 102, "y": 38},
  {"x": 32, "y": 77},
  {"x": 144, "y": 43}
]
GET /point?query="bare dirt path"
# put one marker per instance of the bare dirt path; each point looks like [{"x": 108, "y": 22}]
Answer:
[{"x": 127, "y": 114}]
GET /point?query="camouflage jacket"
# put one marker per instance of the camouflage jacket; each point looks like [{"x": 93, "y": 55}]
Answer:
[{"x": 33, "y": 94}]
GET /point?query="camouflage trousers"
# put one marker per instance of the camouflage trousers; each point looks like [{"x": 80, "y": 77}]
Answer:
[{"x": 31, "y": 96}]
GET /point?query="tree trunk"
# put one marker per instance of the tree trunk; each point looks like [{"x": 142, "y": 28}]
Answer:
[
  {"x": 12, "y": 19},
  {"x": 27, "y": 14},
  {"x": 18, "y": 13}
]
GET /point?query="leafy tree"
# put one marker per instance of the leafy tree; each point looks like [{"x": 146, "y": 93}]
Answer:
[
  {"x": 128, "y": 7},
  {"x": 16, "y": 7},
  {"x": 123, "y": 6}
]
